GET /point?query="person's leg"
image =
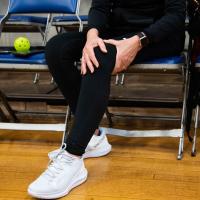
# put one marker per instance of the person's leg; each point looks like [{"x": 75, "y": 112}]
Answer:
[
  {"x": 62, "y": 51},
  {"x": 66, "y": 170},
  {"x": 92, "y": 102},
  {"x": 94, "y": 91}
]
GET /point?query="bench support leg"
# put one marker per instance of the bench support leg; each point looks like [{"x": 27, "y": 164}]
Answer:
[
  {"x": 66, "y": 130},
  {"x": 7, "y": 107},
  {"x": 109, "y": 118},
  {"x": 193, "y": 153},
  {"x": 3, "y": 117}
]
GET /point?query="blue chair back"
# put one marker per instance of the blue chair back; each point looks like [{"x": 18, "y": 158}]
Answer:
[{"x": 42, "y": 6}]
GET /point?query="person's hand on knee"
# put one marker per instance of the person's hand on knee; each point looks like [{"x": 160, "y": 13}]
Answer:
[
  {"x": 127, "y": 50},
  {"x": 89, "y": 60}
]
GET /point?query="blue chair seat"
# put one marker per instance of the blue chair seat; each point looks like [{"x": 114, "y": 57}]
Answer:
[
  {"x": 167, "y": 64},
  {"x": 18, "y": 19},
  {"x": 198, "y": 60},
  {"x": 69, "y": 18},
  {"x": 39, "y": 58},
  {"x": 168, "y": 60},
  {"x": 9, "y": 58}
]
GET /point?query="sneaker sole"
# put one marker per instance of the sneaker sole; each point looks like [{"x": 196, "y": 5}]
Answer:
[
  {"x": 98, "y": 152},
  {"x": 82, "y": 177}
]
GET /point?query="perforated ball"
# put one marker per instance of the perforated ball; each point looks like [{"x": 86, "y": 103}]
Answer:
[{"x": 22, "y": 44}]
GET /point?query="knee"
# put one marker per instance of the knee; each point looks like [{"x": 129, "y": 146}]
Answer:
[
  {"x": 52, "y": 48},
  {"x": 106, "y": 60}
]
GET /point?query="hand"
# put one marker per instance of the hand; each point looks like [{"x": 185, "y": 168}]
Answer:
[
  {"x": 127, "y": 50},
  {"x": 88, "y": 57}
]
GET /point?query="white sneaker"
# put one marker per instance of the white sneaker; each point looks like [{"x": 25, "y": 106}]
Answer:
[
  {"x": 64, "y": 173},
  {"x": 97, "y": 147}
]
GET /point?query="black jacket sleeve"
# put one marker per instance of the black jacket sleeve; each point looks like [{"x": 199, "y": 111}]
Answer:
[
  {"x": 172, "y": 22},
  {"x": 98, "y": 14}
]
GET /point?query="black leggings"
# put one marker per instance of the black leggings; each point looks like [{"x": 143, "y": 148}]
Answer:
[{"x": 88, "y": 95}]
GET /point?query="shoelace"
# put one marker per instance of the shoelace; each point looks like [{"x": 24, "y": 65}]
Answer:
[
  {"x": 56, "y": 164},
  {"x": 92, "y": 145},
  {"x": 53, "y": 154}
]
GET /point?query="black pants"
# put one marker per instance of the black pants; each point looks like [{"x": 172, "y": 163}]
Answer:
[{"x": 88, "y": 95}]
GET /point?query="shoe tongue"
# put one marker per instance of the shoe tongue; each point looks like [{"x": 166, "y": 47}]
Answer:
[
  {"x": 95, "y": 140},
  {"x": 64, "y": 155}
]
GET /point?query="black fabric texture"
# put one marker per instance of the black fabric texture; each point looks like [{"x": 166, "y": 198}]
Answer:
[{"x": 88, "y": 95}]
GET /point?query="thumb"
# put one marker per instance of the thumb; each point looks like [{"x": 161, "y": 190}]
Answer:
[{"x": 111, "y": 41}]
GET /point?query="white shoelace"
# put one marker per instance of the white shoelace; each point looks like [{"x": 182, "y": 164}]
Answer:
[{"x": 57, "y": 163}]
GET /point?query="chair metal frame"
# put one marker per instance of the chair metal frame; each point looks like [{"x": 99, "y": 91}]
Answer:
[
  {"x": 49, "y": 19},
  {"x": 34, "y": 67},
  {"x": 17, "y": 23},
  {"x": 179, "y": 133},
  {"x": 69, "y": 25},
  {"x": 120, "y": 80},
  {"x": 45, "y": 37},
  {"x": 196, "y": 123},
  {"x": 175, "y": 133}
]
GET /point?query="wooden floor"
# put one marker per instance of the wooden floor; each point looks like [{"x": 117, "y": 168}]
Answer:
[{"x": 136, "y": 169}]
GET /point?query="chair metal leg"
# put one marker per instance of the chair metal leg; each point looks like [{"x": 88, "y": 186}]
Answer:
[
  {"x": 184, "y": 109},
  {"x": 52, "y": 81},
  {"x": 181, "y": 142},
  {"x": 8, "y": 108},
  {"x": 66, "y": 131},
  {"x": 109, "y": 118},
  {"x": 3, "y": 117},
  {"x": 193, "y": 153},
  {"x": 180, "y": 151},
  {"x": 36, "y": 78}
]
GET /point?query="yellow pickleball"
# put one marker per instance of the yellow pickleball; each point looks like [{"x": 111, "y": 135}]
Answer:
[{"x": 22, "y": 44}]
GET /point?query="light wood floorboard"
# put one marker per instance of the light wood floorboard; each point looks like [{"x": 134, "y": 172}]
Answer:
[{"x": 136, "y": 169}]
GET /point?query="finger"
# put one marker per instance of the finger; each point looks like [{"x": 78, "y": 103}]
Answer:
[
  {"x": 115, "y": 70},
  {"x": 93, "y": 58},
  {"x": 89, "y": 63},
  {"x": 83, "y": 66},
  {"x": 102, "y": 46},
  {"x": 111, "y": 41}
]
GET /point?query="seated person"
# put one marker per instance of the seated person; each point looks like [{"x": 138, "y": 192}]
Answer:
[{"x": 120, "y": 32}]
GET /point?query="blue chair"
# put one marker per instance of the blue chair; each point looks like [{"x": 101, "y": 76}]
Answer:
[
  {"x": 123, "y": 96},
  {"x": 69, "y": 22},
  {"x": 24, "y": 22},
  {"x": 175, "y": 64},
  {"x": 39, "y": 7},
  {"x": 35, "y": 62},
  {"x": 36, "y": 7}
]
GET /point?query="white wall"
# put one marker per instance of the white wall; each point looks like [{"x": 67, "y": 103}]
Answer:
[
  {"x": 3, "y": 5},
  {"x": 85, "y": 5}
]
